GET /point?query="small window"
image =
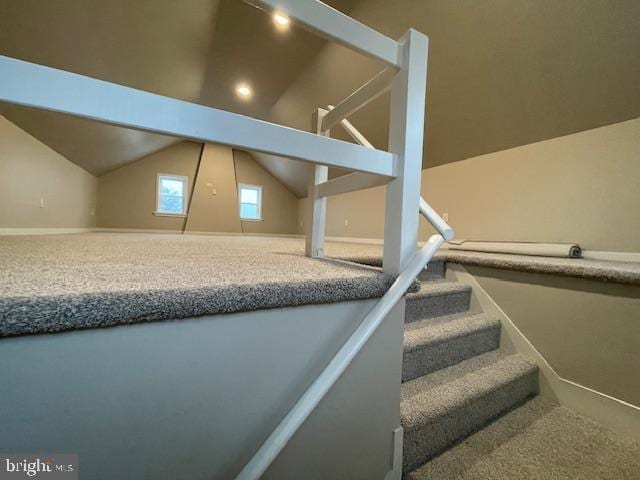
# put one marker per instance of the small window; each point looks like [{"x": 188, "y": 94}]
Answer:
[
  {"x": 172, "y": 192},
  {"x": 250, "y": 202}
]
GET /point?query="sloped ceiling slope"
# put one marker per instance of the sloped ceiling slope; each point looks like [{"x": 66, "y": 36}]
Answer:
[
  {"x": 195, "y": 51},
  {"x": 502, "y": 73}
]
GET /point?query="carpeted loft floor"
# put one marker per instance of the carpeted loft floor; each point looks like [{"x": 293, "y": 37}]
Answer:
[
  {"x": 538, "y": 441},
  {"x": 61, "y": 282}
]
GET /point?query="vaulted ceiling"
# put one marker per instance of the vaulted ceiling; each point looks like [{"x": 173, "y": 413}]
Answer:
[
  {"x": 195, "y": 50},
  {"x": 502, "y": 73}
]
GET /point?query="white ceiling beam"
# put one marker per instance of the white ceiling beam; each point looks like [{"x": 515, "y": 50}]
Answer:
[
  {"x": 336, "y": 26},
  {"x": 36, "y": 86}
]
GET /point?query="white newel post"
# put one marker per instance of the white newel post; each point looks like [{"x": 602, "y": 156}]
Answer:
[
  {"x": 316, "y": 207},
  {"x": 406, "y": 132}
]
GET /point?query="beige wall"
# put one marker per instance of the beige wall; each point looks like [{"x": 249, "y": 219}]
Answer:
[
  {"x": 31, "y": 171},
  {"x": 279, "y": 205},
  {"x": 127, "y": 196},
  {"x": 214, "y": 206},
  {"x": 578, "y": 188},
  {"x": 587, "y": 330}
]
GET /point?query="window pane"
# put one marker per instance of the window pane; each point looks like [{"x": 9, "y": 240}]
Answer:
[
  {"x": 170, "y": 186},
  {"x": 248, "y": 195},
  {"x": 171, "y": 204},
  {"x": 248, "y": 210}
]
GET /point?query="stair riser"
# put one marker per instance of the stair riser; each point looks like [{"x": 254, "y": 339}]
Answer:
[
  {"x": 436, "y": 306},
  {"x": 424, "y": 443},
  {"x": 431, "y": 358},
  {"x": 434, "y": 271}
]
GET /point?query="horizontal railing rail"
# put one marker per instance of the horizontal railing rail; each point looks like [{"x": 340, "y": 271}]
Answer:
[
  {"x": 338, "y": 364},
  {"x": 33, "y": 85}
]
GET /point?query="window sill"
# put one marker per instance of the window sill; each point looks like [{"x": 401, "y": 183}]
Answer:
[
  {"x": 162, "y": 214},
  {"x": 251, "y": 220}
]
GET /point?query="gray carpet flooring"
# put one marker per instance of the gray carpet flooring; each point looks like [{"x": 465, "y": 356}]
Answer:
[
  {"x": 538, "y": 441},
  {"x": 61, "y": 282},
  {"x": 609, "y": 271}
]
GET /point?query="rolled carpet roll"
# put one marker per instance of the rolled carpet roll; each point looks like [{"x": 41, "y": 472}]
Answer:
[{"x": 566, "y": 250}]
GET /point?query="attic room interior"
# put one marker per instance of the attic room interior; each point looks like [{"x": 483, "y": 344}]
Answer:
[{"x": 294, "y": 239}]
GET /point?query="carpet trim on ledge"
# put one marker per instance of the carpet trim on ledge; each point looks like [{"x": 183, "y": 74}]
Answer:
[
  {"x": 62, "y": 282},
  {"x": 601, "y": 270}
]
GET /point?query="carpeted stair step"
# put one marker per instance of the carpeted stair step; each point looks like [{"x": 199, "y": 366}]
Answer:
[
  {"x": 433, "y": 344},
  {"x": 435, "y": 270},
  {"x": 446, "y": 406},
  {"x": 435, "y": 299},
  {"x": 538, "y": 440}
]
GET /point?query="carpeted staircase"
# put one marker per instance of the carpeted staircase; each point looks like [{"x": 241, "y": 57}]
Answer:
[
  {"x": 455, "y": 378},
  {"x": 468, "y": 411}
]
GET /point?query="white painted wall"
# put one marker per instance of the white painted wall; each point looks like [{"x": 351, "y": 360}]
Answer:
[{"x": 193, "y": 399}]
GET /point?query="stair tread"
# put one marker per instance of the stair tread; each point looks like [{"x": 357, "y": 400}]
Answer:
[
  {"x": 441, "y": 329},
  {"x": 429, "y": 397},
  {"x": 436, "y": 288}
]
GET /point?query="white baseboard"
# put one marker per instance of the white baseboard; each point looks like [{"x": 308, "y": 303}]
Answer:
[
  {"x": 137, "y": 230},
  {"x": 369, "y": 241},
  {"x": 43, "y": 231},
  {"x": 614, "y": 413},
  {"x": 180, "y": 232},
  {"x": 239, "y": 234}
]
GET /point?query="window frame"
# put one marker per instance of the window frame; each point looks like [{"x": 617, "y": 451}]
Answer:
[
  {"x": 185, "y": 181},
  {"x": 249, "y": 186}
]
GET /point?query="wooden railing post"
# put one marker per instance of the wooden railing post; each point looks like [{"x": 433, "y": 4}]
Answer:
[
  {"x": 316, "y": 217},
  {"x": 406, "y": 132}
]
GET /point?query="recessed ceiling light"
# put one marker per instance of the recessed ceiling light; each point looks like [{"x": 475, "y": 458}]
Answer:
[
  {"x": 244, "y": 91},
  {"x": 281, "y": 20}
]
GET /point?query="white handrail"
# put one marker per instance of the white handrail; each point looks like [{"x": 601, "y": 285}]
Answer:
[
  {"x": 436, "y": 220},
  {"x": 274, "y": 444}
]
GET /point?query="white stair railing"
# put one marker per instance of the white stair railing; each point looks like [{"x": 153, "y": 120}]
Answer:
[
  {"x": 310, "y": 399},
  {"x": 406, "y": 80},
  {"x": 338, "y": 364}
]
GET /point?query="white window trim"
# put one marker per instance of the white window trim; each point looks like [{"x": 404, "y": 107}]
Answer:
[
  {"x": 259, "y": 204},
  {"x": 185, "y": 207}
]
